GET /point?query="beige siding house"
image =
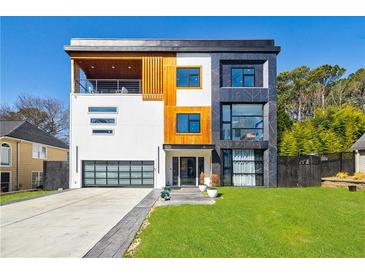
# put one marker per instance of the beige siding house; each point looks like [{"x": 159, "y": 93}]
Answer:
[{"x": 24, "y": 147}]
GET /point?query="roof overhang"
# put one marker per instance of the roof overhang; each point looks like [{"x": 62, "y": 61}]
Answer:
[
  {"x": 184, "y": 147},
  {"x": 171, "y": 45}
]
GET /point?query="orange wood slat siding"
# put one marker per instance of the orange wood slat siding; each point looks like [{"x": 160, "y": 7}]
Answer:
[
  {"x": 152, "y": 77},
  {"x": 204, "y": 137},
  {"x": 169, "y": 80}
]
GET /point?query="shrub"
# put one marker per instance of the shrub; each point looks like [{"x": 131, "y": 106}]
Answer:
[
  {"x": 215, "y": 180},
  {"x": 342, "y": 175},
  {"x": 359, "y": 176}
]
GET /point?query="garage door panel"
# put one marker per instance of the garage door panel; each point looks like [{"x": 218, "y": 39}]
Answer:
[{"x": 118, "y": 173}]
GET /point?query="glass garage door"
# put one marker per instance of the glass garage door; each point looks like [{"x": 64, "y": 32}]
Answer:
[{"x": 118, "y": 173}]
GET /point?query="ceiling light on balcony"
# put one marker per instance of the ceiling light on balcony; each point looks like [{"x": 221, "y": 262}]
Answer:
[
  {"x": 129, "y": 67},
  {"x": 92, "y": 67},
  {"x": 113, "y": 67}
]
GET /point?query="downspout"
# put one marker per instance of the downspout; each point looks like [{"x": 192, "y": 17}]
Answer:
[{"x": 17, "y": 164}]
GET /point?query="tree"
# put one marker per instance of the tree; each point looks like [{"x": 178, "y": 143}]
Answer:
[
  {"x": 323, "y": 78},
  {"x": 48, "y": 114},
  {"x": 356, "y": 87}
]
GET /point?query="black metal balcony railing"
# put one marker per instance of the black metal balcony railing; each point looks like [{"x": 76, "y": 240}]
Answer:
[{"x": 108, "y": 86}]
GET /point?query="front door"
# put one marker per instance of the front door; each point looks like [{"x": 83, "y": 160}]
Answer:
[
  {"x": 187, "y": 171},
  {"x": 5, "y": 181}
]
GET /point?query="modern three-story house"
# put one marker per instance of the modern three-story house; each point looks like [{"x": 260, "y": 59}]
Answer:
[{"x": 158, "y": 113}]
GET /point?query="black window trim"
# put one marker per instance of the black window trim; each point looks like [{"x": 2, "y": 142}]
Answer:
[
  {"x": 243, "y": 77},
  {"x": 189, "y": 120},
  {"x": 188, "y": 86},
  {"x": 231, "y": 120}
]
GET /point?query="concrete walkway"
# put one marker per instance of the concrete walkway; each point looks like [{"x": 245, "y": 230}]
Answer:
[
  {"x": 68, "y": 224},
  {"x": 186, "y": 196}
]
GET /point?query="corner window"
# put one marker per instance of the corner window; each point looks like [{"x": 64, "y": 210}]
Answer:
[
  {"x": 188, "y": 77},
  {"x": 242, "y": 122},
  {"x": 103, "y": 131},
  {"x": 243, "y": 77},
  {"x": 5, "y": 154},
  {"x": 39, "y": 151},
  {"x": 188, "y": 123},
  {"x": 102, "y": 120},
  {"x": 103, "y": 109}
]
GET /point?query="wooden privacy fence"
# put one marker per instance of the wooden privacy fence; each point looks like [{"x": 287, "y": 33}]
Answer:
[{"x": 307, "y": 170}]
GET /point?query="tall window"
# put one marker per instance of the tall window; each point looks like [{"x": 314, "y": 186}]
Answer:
[
  {"x": 243, "y": 77},
  {"x": 5, "y": 154},
  {"x": 39, "y": 151},
  {"x": 188, "y": 123},
  {"x": 188, "y": 77},
  {"x": 243, "y": 167},
  {"x": 242, "y": 122}
]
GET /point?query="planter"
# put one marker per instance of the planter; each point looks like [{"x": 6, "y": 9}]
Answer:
[
  {"x": 202, "y": 188},
  {"x": 212, "y": 192},
  {"x": 207, "y": 181},
  {"x": 352, "y": 188}
]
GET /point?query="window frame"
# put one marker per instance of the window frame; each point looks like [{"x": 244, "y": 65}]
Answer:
[
  {"x": 39, "y": 146},
  {"x": 96, "y": 123},
  {"x": 10, "y": 151},
  {"x": 188, "y": 86},
  {"x": 189, "y": 121},
  {"x": 230, "y": 122},
  {"x": 230, "y": 150},
  {"x": 93, "y": 131},
  {"x": 40, "y": 175},
  {"x": 94, "y": 112},
  {"x": 243, "y": 77}
]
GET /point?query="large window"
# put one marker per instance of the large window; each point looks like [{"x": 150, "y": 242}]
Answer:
[
  {"x": 37, "y": 179},
  {"x": 242, "y": 122},
  {"x": 102, "y": 132},
  {"x": 5, "y": 155},
  {"x": 109, "y": 173},
  {"x": 243, "y": 77},
  {"x": 188, "y": 77},
  {"x": 243, "y": 167},
  {"x": 188, "y": 123},
  {"x": 39, "y": 151},
  {"x": 103, "y": 109}
]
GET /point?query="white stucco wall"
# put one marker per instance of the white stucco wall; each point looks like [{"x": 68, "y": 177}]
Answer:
[
  {"x": 195, "y": 97},
  {"x": 138, "y": 133}
]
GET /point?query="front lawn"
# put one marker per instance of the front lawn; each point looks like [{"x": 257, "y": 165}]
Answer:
[
  {"x": 22, "y": 196},
  {"x": 281, "y": 222}
]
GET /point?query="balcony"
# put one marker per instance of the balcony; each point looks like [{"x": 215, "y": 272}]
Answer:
[{"x": 108, "y": 86}]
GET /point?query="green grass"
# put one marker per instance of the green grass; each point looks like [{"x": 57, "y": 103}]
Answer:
[
  {"x": 282, "y": 222},
  {"x": 22, "y": 195}
]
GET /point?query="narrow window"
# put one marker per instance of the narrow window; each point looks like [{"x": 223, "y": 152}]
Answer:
[
  {"x": 188, "y": 77},
  {"x": 39, "y": 151},
  {"x": 103, "y": 109},
  {"x": 188, "y": 123},
  {"x": 243, "y": 77},
  {"x": 102, "y": 120},
  {"x": 5, "y": 154},
  {"x": 103, "y": 131}
]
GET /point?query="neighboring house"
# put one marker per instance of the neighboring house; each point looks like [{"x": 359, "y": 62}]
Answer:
[
  {"x": 24, "y": 147},
  {"x": 162, "y": 112},
  {"x": 359, "y": 148}
]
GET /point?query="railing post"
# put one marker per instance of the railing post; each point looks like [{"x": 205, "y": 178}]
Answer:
[{"x": 96, "y": 86}]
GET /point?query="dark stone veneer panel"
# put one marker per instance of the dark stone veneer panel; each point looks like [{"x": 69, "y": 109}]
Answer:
[{"x": 263, "y": 95}]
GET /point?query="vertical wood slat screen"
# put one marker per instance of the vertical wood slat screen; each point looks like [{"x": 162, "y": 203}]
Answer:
[{"x": 152, "y": 78}]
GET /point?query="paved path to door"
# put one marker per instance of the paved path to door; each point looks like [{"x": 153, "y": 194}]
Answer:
[{"x": 67, "y": 224}]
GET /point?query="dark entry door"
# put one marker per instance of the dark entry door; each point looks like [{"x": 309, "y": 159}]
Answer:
[
  {"x": 187, "y": 171},
  {"x": 5, "y": 181}
]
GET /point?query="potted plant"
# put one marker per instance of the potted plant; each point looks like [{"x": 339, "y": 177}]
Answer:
[
  {"x": 213, "y": 191},
  {"x": 202, "y": 186}
]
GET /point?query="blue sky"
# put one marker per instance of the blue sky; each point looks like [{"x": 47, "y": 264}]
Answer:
[{"x": 33, "y": 60}]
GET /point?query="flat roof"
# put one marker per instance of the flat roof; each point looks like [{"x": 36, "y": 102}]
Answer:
[{"x": 171, "y": 45}]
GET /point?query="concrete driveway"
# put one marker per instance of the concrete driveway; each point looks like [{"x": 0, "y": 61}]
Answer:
[{"x": 66, "y": 224}]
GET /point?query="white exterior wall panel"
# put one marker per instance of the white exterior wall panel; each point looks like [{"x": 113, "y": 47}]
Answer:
[{"x": 138, "y": 133}]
